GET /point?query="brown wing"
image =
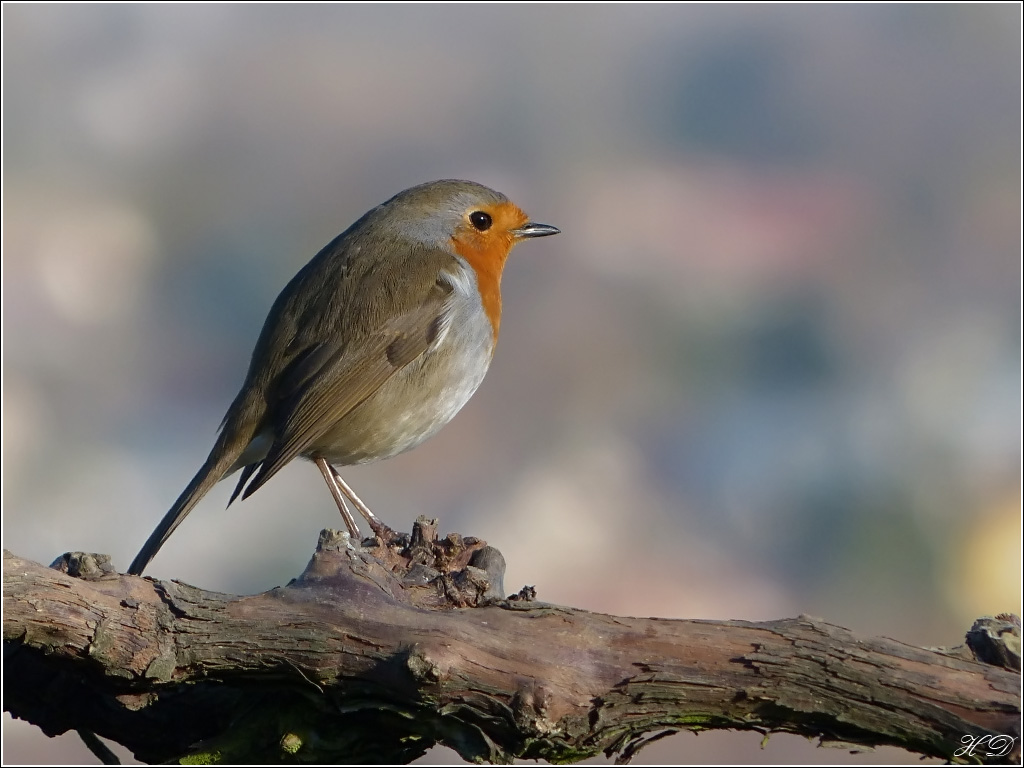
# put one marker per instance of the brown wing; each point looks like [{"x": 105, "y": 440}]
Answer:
[
  {"x": 327, "y": 380},
  {"x": 341, "y": 327}
]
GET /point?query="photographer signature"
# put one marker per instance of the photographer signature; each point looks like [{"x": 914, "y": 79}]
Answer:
[{"x": 997, "y": 745}]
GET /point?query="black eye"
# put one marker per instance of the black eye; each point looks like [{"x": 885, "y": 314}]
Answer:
[{"x": 480, "y": 220}]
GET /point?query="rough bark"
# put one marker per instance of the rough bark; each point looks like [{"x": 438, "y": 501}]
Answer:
[{"x": 376, "y": 653}]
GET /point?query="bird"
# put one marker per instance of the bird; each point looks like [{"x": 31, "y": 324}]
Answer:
[{"x": 371, "y": 348}]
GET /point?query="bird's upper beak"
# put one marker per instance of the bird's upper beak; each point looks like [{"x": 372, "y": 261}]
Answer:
[{"x": 532, "y": 229}]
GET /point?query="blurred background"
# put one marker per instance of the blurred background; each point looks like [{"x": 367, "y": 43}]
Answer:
[{"x": 771, "y": 366}]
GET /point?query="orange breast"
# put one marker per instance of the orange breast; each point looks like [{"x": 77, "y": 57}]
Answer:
[{"x": 486, "y": 253}]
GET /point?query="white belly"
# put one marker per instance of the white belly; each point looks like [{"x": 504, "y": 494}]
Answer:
[{"x": 422, "y": 397}]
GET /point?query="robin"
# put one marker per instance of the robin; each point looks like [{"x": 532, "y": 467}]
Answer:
[{"x": 371, "y": 348}]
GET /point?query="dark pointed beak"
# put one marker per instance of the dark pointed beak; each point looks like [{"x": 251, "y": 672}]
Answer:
[{"x": 531, "y": 229}]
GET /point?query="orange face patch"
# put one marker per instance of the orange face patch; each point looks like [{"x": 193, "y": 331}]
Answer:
[{"x": 486, "y": 251}]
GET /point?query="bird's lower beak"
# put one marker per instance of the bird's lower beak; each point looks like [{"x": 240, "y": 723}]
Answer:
[{"x": 531, "y": 229}]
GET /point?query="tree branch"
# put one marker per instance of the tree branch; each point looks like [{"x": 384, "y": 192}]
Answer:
[{"x": 375, "y": 654}]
